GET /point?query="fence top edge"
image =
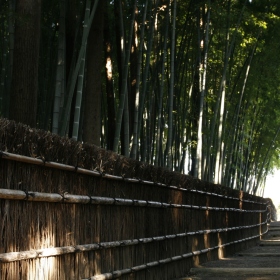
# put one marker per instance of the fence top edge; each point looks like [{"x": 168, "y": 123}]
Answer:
[{"x": 60, "y": 166}]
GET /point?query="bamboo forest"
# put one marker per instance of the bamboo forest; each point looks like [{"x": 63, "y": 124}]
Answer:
[{"x": 188, "y": 85}]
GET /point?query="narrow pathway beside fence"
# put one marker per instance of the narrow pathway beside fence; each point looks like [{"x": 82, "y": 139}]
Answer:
[{"x": 258, "y": 263}]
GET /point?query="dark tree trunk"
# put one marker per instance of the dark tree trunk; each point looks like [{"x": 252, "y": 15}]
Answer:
[
  {"x": 72, "y": 21},
  {"x": 111, "y": 114},
  {"x": 120, "y": 56},
  {"x": 23, "y": 104},
  {"x": 133, "y": 76},
  {"x": 92, "y": 114}
]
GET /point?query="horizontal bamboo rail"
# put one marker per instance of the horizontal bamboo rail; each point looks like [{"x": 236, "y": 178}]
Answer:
[
  {"x": 57, "y": 251},
  {"x": 42, "y": 162},
  {"x": 84, "y": 199},
  {"x": 119, "y": 273}
]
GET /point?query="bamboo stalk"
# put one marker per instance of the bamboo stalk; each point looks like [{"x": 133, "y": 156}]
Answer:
[
  {"x": 131, "y": 180},
  {"x": 12, "y": 194},
  {"x": 57, "y": 251},
  {"x": 37, "y": 161},
  {"x": 113, "y": 177},
  {"x": 81, "y": 199},
  {"x": 44, "y": 197}
]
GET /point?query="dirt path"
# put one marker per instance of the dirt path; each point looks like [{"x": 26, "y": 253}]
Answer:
[{"x": 258, "y": 263}]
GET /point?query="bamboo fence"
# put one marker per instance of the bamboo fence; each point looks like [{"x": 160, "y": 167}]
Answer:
[{"x": 72, "y": 211}]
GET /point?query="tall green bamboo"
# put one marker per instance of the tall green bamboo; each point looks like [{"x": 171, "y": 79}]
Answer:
[
  {"x": 221, "y": 103},
  {"x": 145, "y": 79},
  {"x": 60, "y": 71},
  {"x": 234, "y": 137},
  {"x": 171, "y": 89},
  {"x": 158, "y": 150},
  {"x": 202, "y": 77},
  {"x": 73, "y": 79},
  {"x": 80, "y": 85},
  {"x": 134, "y": 147},
  {"x": 123, "y": 95}
]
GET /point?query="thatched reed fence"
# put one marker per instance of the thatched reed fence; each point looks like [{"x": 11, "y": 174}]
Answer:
[{"x": 73, "y": 211}]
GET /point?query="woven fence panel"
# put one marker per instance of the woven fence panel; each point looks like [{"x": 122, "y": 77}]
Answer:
[{"x": 72, "y": 211}]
